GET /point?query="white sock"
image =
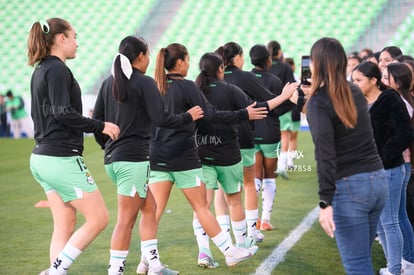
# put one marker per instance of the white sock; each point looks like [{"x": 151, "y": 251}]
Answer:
[
  {"x": 64, "y": 260},
  {"x": 239, "y": 231},
  {"x": 282, "y": 162},
  {"x": 251, "y": 219},
  {"x": 292, "y": 154},
  {"x": 268, "y": 194},
  {"x": 224, "y": 222},
  {"x": 258, "y": 184},
  {"x": 117, "y": 261},
  {"x": 201, "y": 236},
  {"x": 150, "y": 250},
  {"x": 223, "y": 242}
]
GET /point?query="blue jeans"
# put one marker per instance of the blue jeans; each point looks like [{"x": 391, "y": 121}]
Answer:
[
  {"x": 405, "y": 224},
  {"x": 357, "y": 205},
  {"x": 389, "y": 230}
]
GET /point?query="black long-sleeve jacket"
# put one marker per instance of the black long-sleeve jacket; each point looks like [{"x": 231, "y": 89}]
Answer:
[
  {"x": 57, "y": 110},
  {"x": 340, "y": 152},
  {"x": 218, "y": 144},
  {"x": 267, "y": 131},
  {"x": 251, "y": 85},
  {"x": 134, "y": 116},
  {"x": 391, "y": 123},
  {"x": 175, "y": 149}
]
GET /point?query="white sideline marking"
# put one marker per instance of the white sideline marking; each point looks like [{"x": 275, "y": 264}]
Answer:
[{"x": 278, "y": 254}]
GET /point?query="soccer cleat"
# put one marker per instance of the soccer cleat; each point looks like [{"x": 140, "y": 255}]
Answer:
[
  {"x": 265, "y": 226},
  {"x": 206, "y": 260},
  {"x": 240, "y": 254},
  {"x": 44, "y": 272},
  {"x": 250, "y": 244},
  {"x": 163, "y": 271},
  {"x": 258, "y": 224},
  {"x": 143, "y": 267},
  {"x": 283, "y": 174},
  {"x": 258, "y": 236}
]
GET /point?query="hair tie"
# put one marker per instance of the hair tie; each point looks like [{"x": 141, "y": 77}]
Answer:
[
  {"x": 44, "y": 26},
  {"x": 126, "y": 66},
  {"x": 165, "y": 51}
]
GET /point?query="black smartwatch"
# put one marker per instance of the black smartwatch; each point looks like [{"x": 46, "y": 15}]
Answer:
[{"x": 323, "y": 204}]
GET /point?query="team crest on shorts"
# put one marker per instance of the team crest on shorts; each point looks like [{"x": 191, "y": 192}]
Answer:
[
  {"x": 89, "y": 179},
  {"x": 146, "y": 187}
]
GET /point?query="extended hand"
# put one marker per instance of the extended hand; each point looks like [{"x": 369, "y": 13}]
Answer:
[
  {"x": 112, "y": 130},
  {"x": 196, "y": 112},
  {"x": 326, "y": 221},
  {"x": 256, "y": 113}
]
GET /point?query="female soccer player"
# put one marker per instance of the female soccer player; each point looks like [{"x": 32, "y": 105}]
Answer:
[
  {"x": 132, "y": 100},
  {"x": 173, "y": 153},
  {"x": 233, "y": 58},
  {"x": 56, "y": 161},
  {"x": 218, "y": 145},
  {"x": 267, "y": 134}
]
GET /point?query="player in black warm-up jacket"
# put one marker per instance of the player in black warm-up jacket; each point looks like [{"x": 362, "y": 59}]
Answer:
[
  {"x": 266, "y": 136},
  {"x": 131, "y": 99},
  {"x": 173, "y": 153},
  {"x": 232, "y": 55},
  {"x": 219, "y": 149}
]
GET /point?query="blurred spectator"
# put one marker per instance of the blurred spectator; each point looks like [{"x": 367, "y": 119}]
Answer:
[
  {"x": 372, "y": 57},
  {"x": 387, "y": 55},
  {"x": 365, "y": 52},
  {"x": 353, "y": 61},
  {"x": 4, "y": 124},
  {"x": 20, "y": 121},
  {"x": 291, "y": 62}
]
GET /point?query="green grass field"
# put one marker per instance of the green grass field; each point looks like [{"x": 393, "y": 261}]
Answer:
[{"x": 25, "y": 230}]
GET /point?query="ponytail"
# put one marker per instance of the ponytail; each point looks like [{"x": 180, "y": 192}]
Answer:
[
  {"x": 41, "y": 38},
  {"x": 160, "y": 76},
  {"x": 229, "y": 51},
  {"x": 119, "y": 86},
  {"x": 166, "y": 60},
  {"x": 129, "y": 49},
  {"x": 202, "y": 82},
  {"x": 209, "y": 65}
]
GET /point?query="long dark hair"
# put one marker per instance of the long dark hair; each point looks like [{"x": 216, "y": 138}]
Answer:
[
  {"x": 394, "y": 51},
  {"x": 42, "y": 37},
  {"x": 228, "y": 51},
  {"x": 273, "y": 47},
  {"x": 166, "y": 60},
  {"x": 209, "y": 65},
  {"x": 259, "y": 56},
  {"x": 131, "y": 47},
  {"x": 329, "y": 63},
  {"x": 402, "y": 77},
  {"x": 370, "y": 70}
]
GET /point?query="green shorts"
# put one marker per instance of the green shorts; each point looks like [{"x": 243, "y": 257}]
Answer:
[
  {"x": 183, "y": 179},
  {"x": 248, "y": 157},
  {"x": 287, "y": 124},
  {"x": 230, "y": 177},
  {"x": 268, "y": 150},
  {"x": 68, "y": 176},
  {"x": 129, "y": 177}
]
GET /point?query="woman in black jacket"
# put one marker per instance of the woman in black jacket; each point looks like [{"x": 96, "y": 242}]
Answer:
[
  {"x": 352, "y": 184},
  {"x": 392, "y": 129}
]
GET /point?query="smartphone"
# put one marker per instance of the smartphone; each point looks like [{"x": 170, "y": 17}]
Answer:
[{"x": 305, "y": 72}]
